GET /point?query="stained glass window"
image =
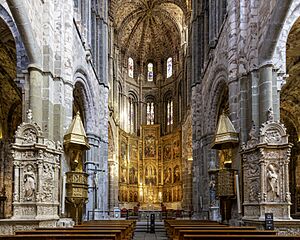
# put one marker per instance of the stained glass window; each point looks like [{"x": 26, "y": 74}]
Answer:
[
  {"x": 169, "y": 67},
  {"x": 150, "y": 113},
  {"x": 150, "y": 72},
  {"x": 130, "y": 67}
]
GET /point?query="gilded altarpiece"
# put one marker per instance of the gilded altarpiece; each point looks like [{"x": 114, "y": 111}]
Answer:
[
  {"x": 151, "y": 165},
  {"x": 172, "y": 168},
  {"x": 150, "y": 168}
]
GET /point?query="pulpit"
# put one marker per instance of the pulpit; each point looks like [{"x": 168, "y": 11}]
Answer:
[{"x": 75, "y": 142}]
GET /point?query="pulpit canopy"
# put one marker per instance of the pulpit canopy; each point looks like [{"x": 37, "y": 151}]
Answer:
[
  {"x": 75, "y": 137},
  {"x": 226, "y": 136}
]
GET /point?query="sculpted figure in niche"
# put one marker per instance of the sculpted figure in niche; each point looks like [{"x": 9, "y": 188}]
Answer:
[
  {"x": 176, "y": 149},
  {"x": 212, "y": 191},
  {"x": 253, "y": 191},
  {"x": 29, "y": 135},
  {"x": 168, "y": 175},
  {"x": 272, "y": 177},
  {"x": 132, "y": 175},
  {"x": 176, "y": 174},
  {"x": 167, "y": 153},
  {"x": 135, "y": 197},
  {"x": 123, "y": 175},
  {"x": 123, "y": 154},
  {"x": 29, "y": 184}
]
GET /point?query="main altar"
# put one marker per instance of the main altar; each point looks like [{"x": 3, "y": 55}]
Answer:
[{"x": 150, "y": 170}]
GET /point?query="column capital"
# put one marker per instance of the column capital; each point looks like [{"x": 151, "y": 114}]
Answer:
[{"x": 266, "y": 64}]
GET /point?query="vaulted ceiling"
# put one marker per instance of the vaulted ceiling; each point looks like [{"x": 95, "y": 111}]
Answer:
[
  {"x": 149, "y": 29},
  {"x": 10, "y": 94},
  {"x": 290, "y": 94}
]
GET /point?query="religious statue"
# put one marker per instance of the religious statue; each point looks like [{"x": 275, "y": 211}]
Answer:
[
  {"x": 270, "y": 115},
  {"x": 272, "y": 177},
  {"x": 123, "y": 175},
  {"x": 212, "y": 191},
  {"x": 168, "y": 175},
  {"x": 132, "y": 176},
  {"x": 29, "y": 184},
  {"x": 176, "y": 149},
  {"x": 29, "y": 115},
  {"x": 252, "y": 133},
  {"x": 123, "y": 154},
  {"x": 167, "y": 153},
  {"x": 176, "y": 174}
]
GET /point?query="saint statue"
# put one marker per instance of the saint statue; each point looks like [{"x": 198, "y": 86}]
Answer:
[
  {"x": 272, "y": 177},
  {"x": 29, "y": 184}
]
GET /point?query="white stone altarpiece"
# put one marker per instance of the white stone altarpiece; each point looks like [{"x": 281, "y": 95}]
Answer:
[
  {"x": 265, "y": 172},
  {"x": 36, "y": 174}
]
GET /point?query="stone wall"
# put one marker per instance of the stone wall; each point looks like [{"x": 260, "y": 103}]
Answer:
[
  {"x": 242, "y": 61},
  {"x": 65, "y": 41}
]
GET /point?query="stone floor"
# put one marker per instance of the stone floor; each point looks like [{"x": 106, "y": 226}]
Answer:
[
  {"x": 142, "y": 234},
  {"x": 149, "y": 236}
]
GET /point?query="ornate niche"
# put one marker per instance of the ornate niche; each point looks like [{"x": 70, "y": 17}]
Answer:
[
  {"x": 36, "y": 163},
  {"x": 266, "y": 176}
]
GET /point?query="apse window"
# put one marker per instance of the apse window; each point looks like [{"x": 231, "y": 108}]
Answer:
[
  {"x": 132, "y": 114},
  {"x": 130, "y": 67},
  {"x": 169, "y": 113},
  {"x": 169, "y": 67},
  {"x": 150, "y": 72},
  {"x": 150, "y": 113}
]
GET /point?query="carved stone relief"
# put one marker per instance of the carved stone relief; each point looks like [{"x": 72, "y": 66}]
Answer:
[
  {"x": 265, "y": 171},
  {"x": 36, "y": 172},
  {"x": 29, "y": 181}
]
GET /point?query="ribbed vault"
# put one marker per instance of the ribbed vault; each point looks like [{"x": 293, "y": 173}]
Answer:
[{"x": 149, "y": 29}]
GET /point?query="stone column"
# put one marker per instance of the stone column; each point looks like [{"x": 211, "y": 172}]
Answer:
[
  {"x": 254, "y": 93},
  {"x": 90, "y": 169},
  {"x": 17, "y": 180},
  {"x": 244, "y": 104},
  {"x": 265, "y": 91},
  {"x": 35, "y": 94}
]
